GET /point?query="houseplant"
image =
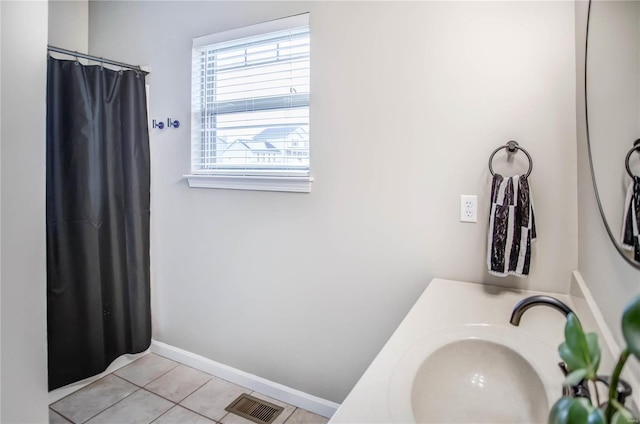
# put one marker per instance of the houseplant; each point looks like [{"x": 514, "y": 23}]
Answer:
[{"x": 581, "y": 354}]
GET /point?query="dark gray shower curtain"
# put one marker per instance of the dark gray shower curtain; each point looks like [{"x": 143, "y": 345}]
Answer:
[{"x": 98, "y": 199}]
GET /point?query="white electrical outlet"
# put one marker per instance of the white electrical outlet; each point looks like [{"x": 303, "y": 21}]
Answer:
[{"x": 468, "y": 208}]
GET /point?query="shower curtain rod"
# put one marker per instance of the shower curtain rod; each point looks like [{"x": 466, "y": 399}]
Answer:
[{"x": 95, "y": 59}]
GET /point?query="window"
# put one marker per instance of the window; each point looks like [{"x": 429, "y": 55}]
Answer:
[{"x": 250, "y": 107}]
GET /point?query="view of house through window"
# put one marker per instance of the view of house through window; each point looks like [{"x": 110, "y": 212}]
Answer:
[{"x": 250, "y": 96}]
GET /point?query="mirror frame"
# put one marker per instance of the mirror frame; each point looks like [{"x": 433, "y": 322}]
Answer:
[{"x": 613, "y": 239}]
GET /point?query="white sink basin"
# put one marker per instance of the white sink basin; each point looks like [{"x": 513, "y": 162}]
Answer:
[{"x": 475, "y": 374}]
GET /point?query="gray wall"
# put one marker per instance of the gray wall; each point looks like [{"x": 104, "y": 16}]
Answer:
[
  {"x": 408, "y": 101},
  {"x": 612, "y": 282},
  {"x": 69, "y": 25},
  {"x": 23, "y": 363}
]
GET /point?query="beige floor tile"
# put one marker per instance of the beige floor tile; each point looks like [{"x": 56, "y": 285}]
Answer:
[
  {"x": 211, "y": 399},
  {"x": 93, "y": 399},
  {"x": 142, "y": 407},
  {"x": 300, "y": 416},
  {"x": 178, "y": 383},
  {"x": 236, "y": 419},
  {"x": 180, "y": 415},
  {"x": 55, "y": 418},
  {"x": 146, "y": 369}
]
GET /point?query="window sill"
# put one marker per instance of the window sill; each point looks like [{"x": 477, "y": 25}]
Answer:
[{"x": 256, "y": 183}]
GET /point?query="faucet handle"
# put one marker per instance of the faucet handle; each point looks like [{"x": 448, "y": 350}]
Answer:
[
  {"x": 566, "y": 390},
  {"x": 579, "y": 390},
  {"x": 564, "y": 368},
  {"x": 624, "y": 389}
]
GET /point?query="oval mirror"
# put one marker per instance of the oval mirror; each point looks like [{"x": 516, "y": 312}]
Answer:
[{"x": 612, "y": 95}]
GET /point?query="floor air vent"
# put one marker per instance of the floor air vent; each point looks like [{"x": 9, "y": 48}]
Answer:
[{"x": 254, "y": 409}]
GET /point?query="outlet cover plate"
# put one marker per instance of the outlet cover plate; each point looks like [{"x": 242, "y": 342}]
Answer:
[{"x": 468, "y": 208}]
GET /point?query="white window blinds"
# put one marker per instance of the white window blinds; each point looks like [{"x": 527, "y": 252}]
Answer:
[{"x": 250, "y": 100}]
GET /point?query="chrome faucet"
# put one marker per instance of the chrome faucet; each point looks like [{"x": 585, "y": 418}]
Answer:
[
  {"x": 582, "y": 388},
  {"x": 529, "y": 302},
  {"x": 579, "y": 390}
]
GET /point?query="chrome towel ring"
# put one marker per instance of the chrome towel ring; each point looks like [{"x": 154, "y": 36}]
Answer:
[
  {"x": 512, "y": 147},
  {"x": 636, "y": 146}
]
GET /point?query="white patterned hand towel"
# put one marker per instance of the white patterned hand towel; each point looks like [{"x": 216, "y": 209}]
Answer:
[
  {"x": 512, "y": 226},
  {"x": 630, "y": 236}
]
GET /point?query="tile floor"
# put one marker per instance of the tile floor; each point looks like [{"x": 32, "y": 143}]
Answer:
[{"x": 154, "y": 389}]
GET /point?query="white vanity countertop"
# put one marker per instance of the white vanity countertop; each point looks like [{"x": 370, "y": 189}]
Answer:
[{"x": 446, "y": 303}]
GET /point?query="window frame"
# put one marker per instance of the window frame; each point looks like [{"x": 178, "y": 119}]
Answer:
[{"x": 240, "y": 177}]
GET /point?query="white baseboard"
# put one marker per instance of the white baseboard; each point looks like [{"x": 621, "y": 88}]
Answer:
[{"x": 253, "y": 382}]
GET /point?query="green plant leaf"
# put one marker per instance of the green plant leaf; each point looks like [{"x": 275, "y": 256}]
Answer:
[
  {"x": 575, "y": 377},
  {"x": 622, "y": 414},
  {"x": 559, "y": 413},
  {"x": 618, "y": 418},
  {"x": 580, "y": 351},
  {"x": 576, "y": 340},
  {"x": 594, "y": 354},
  {"x": 574, "y": 361},
  {"x": 573, "y": 333},
  {"x": 596, "y": 416},
  {"x": 631, "y": 326},
  {"x": 580, "y": 411},
  {"x": 568, "y": 410}
]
